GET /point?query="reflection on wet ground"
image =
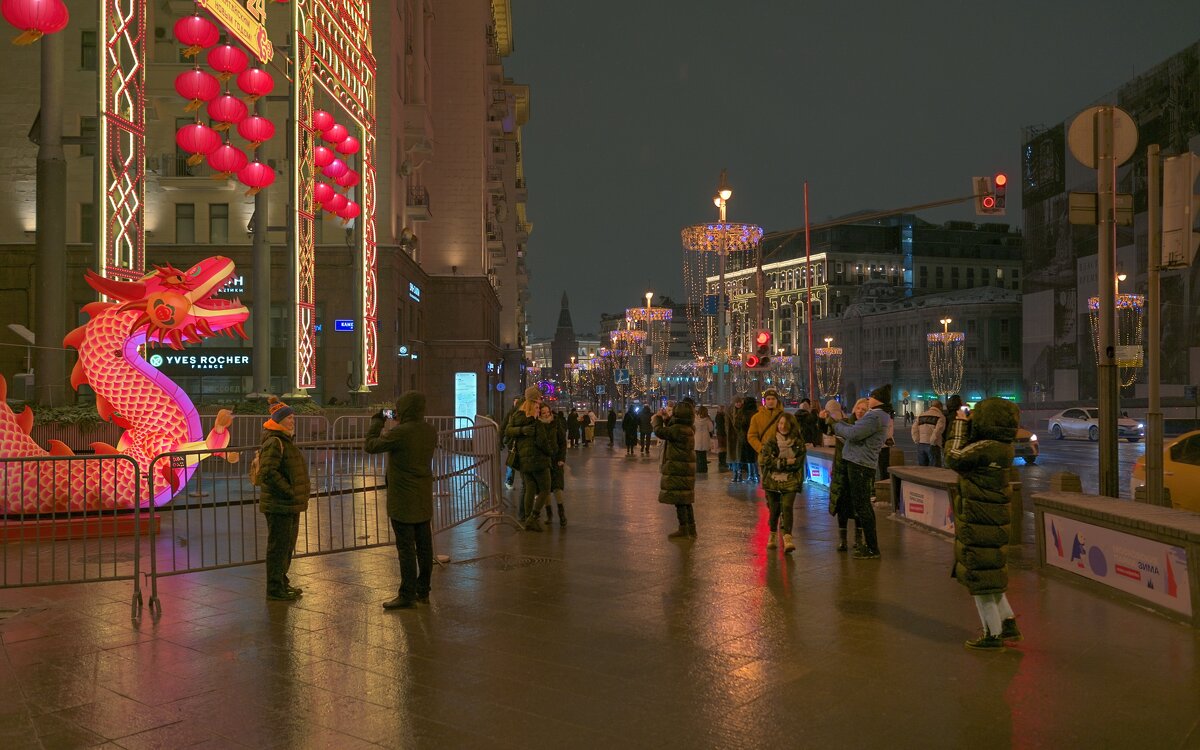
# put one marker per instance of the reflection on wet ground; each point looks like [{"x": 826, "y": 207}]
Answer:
[{"x": 602, "y": 634}]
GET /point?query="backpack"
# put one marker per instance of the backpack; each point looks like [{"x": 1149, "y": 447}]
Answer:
[{"x": 256, "y": 463}]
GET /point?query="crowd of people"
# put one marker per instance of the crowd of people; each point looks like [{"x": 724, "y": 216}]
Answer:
[{"x": 755, "y": 441}]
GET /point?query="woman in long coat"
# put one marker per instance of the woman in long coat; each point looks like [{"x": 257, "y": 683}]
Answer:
[
  {"x": 678, "y": 484},
  {"x": 703, "y": 428},
  {"x": 629, "y": 429},
  {"x": 573, "y": 428},
  {"x": 733, "y": 441},
  {"x": 981, "y": 451}
]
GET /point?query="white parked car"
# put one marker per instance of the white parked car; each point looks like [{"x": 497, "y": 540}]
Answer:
[{"x": 1085, "y": 423}]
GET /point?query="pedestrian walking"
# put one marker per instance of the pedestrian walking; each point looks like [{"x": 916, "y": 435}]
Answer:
[
  {"x": 558, "y": 469},
  {"x": 749, "y": 454},
  {"x": 927, "y": 434},
  {"x": 782, "y": 460},
  {"x": 703, "y": 429},
  {"x": 735, "y": 428},
  {"x": 612, "y": 426},
  {"x": 645, "y": 427},
  {"x": 981, "y": 451},
  {"x": 409, "y": 445},
  {"x": 678, "y": 483},
  {"x": 629, "y": 431},
  {"x": 720, "y": 427},
  {"x": 588, "y": 421},
  {"x": 535, "y": 444},
  {"x": 841, "y": 504},
  {"x": 864, "y": 439},
  {"x": 884, "y": 461},
  {"x": 810, "y": 424},
  {"x": 283, "y": 477},
  {"x": 762, "y": 422},
  {"x": 573, "y": 429}
]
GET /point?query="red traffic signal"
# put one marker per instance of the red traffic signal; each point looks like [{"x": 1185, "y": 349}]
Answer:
[
  {"x": 762, "y": 339},
  {"x": 762, "y": 353},
  {"x": 1000, "y": 189},
  {"x": 752, "y": 361},
  {"x": 989, "y": 201}
]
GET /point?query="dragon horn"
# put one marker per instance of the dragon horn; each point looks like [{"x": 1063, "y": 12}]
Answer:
[
  {"x": 122, "y": 290},
  {"x": 241, "y": 330}
]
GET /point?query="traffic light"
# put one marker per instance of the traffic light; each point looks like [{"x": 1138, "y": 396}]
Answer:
[
  {"x": 1181, "y": 209},
  {"x": 990, "y": 194},
  {"x": 762, "y": 351}
]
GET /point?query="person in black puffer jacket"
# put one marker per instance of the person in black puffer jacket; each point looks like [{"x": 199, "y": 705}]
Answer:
[
  {"x": 283, "y": 477},
  {"x": 678, "y": 483},
  {"x": 981, "y": 451},
  {"x": 535, "y": 444}
]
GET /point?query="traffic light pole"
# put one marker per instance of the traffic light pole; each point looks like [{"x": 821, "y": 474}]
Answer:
[
  {"x": 1106, "y": 173},
  {"x": 1154, "y": 417}
]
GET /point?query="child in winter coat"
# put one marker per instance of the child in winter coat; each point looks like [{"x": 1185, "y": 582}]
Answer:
[
  {"x": 981, "y": 451},
  {"x": 782, "y": 462},
  {"x": 678, "y": 483}
]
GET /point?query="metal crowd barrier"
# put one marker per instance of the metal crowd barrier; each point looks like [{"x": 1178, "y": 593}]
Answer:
[
  {"x": 354, "y": 426},
  {"x": 44, "y": 540},
  {"x": 246, "y": 429}
]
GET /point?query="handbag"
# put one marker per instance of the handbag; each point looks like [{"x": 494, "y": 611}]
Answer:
[{"x": 514, "y": 459}]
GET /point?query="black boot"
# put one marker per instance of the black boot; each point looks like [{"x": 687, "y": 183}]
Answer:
[
  {"x": 841, "y": 540},
  {"x": 682, "y": 531},
  {"x": 549, "y": 513},
  {"x": 691, "y": 521},
  {"x": 562, "y": 515}
]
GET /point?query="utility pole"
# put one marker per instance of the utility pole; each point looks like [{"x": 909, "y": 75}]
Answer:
[
  {"x": 1106, "y": 237},
  {"x": 1154, "y": 417},
  {"x": 261, "y": 330},
  {"x": 51, "y": 283}
]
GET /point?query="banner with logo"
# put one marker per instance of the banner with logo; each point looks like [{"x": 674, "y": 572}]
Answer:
[
  {"x": 1147, "y": 569},
  {"x": 927, "y": 505},
  {"x": 224, "y": 361},
  {"x": 819, "y": 468}
]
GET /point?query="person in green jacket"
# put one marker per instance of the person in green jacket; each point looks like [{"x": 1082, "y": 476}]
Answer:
[
  {"x": 781, "y": 458},
  {"x": 410, "y": 446},
  {"x": 981, "y": 451},
  {"x": 283, "y": 477}
]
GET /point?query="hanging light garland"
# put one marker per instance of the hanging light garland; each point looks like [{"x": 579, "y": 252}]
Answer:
[
  {"x": 703, "y": 246},
  {"x": 1129, "y": 333},
  {"x": 828, "y": 364},
  {"x": 946, "y": 350}
]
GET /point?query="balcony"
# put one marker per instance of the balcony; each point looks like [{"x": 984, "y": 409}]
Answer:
[
  {"x": 172, "y": 172},
  {"x": 523, "y": 230},
  {"x": 416, "y": 205},
  {"x": 495, "y": 180},
  {"x": 495, "y": 125},
  {"x": 418, "y": 128}
]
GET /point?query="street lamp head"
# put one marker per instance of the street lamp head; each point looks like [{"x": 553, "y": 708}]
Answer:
[
  {"x": 717, "y": 201},
  {"x": 649, "y": 297},
  {"x": 828, "y": 340},
  {"x": 1121, "y": 277},
  {"x": 723, "y": 190}
]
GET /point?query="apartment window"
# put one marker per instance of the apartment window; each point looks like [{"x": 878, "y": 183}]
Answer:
[
  {"x": 954, "y": 277},
  {"x": 972, "y": 354},
  {"x": 1004, "y": 353},
  {"x": 1004, "y": 325},
  {"x": 218, "y": 223},
  {"x": 88, "y": 51},
  {"x": 88, "y": 128},
  {"x": 970, "y": 278},
  {"x": 185, "y": 223},
  {"x": 971, "y": 326},
  {"x": 87, "y": 223}
]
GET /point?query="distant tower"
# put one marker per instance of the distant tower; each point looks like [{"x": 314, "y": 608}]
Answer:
[{"x": 565, "y": 344}]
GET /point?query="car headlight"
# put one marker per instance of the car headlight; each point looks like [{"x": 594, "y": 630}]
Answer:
[
  {"x": 1141, "y": 426},
  {"x": 1033, "y": 438}
]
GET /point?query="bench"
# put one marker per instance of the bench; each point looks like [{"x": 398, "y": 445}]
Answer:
[{"x": 1145, "y": 553}]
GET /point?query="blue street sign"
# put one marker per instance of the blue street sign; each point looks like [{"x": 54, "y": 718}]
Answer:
[
  {"x": 343, "y": 325},
  {"x": 710, "y": 305},
  {"x": 500, "y": 387},
  {"x": 621, "y": 377}
]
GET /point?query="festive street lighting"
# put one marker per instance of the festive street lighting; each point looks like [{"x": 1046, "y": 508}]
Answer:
[
  {"x": 1129, "y": 309},
  {"x": 946, "y": 352},
  {"x": 707, "y": 241},
  {"x": 828, "y": 366}
]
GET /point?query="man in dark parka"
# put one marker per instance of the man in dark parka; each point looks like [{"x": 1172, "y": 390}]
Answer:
[
  {"x": 678, "y": 483},
  {"x": 410, "y": 446},
  {"x": 981, "y": 451},
  {"x": 283, "y": 477}
]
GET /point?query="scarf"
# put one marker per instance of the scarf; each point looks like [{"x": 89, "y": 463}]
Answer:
[
  {"x": 547, "y": 419},
  {"x": 786, "y": 456}
]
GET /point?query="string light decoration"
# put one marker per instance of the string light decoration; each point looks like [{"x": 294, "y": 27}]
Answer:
[
  {"x": 626, "y": 354},
  {"x": 656, "y": 323},
  {"x": 782, "y": 374},
  {"x": 703, "y": 245},
  {"x": 702, "y": 371},
  {"x": 828, "y": 363},
  {"x": 1129, "y": 333},
  {"x": 946, "y": 352}
]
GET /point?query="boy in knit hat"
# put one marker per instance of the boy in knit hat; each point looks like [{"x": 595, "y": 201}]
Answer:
[{"x": 283, "y": 478}]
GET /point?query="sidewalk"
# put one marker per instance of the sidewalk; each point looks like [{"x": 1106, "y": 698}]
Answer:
[{"x": 601, "y": 635}]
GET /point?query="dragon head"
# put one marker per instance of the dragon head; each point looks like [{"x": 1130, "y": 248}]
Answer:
[{"x": 178, "y": 306}]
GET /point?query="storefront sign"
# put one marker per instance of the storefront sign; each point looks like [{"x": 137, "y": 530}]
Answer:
[
  {"x": 927, "y": 505},
  {"x": 345, "y": 326},
  {"x": 228, "y": 361},
  {"x": 466, "y": 395},
  {"x": 414, "y": 292},
  {"x": 237, "y": 21},
  {"x": 1142, "y": 567}
]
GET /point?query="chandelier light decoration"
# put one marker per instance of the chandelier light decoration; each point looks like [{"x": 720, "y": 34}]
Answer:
[
  {"x": 828, "y": 361},
  {"x": 703, "y": 373},
  {"x": 782, "y": 374},
  {"x": 626, "y": 354},
  {"x": 656, "y": 323},
  {"x": 946, "y": 358},
  {"x": 1129, "y": 333},
  {"x": 704, "y": 245}
]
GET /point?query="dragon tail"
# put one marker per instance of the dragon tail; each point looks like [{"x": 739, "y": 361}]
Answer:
[{"x": 15, "y": 428}]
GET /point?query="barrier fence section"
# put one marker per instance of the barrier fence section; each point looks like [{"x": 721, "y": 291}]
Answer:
[
  {"x": 354, "y": 426},
  {"x": 48, "y": 535}
]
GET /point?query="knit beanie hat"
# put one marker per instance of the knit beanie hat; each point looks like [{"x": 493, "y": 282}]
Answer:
[
  {"x": 532, "y": 392},
  {"x": 279, "y": 412},
  {"x": 833, "y": 408},
  {"x": 883, "y": 394},
  {"x": 771, "y": 392}
]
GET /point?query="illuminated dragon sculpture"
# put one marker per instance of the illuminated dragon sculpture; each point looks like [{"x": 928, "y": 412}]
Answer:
[{"x": 167, "y": 307}]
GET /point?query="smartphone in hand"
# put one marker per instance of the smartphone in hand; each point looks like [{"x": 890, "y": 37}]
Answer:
[{"x": 389, "y": 414}]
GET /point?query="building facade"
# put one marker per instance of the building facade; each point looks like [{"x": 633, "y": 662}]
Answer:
[
  {"x": 1060, "y": 260},
  {"x": 441, "y": 308}
]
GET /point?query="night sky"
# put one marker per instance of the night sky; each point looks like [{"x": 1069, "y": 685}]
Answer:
[{"x": 636, "y": 105}]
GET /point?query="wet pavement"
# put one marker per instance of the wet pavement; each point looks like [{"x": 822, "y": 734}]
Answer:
[{"x": 602, "y": 634}]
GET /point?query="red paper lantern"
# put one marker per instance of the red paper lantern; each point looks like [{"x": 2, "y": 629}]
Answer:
[
  {"x": 35, "y": 18},
  {"x": 348, "y": 146},
  {"x": 256, "y": 176},
  {"x": 226, "y": 160},
  {"x": 348, "y": 180},
  {"x": 197, "y": 33},
  {"x": 226, "y": 110},
  {"x": 321, "y": 120},
  {"x": 227, "y": 60},
  {"x": 335, "y": 169},
  {"x": 197, "y": 86},
  {"x": 336, "y": 133},
  {"x": 336, "y": 203},
  {"x": 323, "y": 156},
  {"x": 256, "y": 129},
  {"x": 198, "y": 140},
  {"x": 349, "y": 211},
  {"x": 255, "y": 82},
  {"x": 322, "y": 192}
]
